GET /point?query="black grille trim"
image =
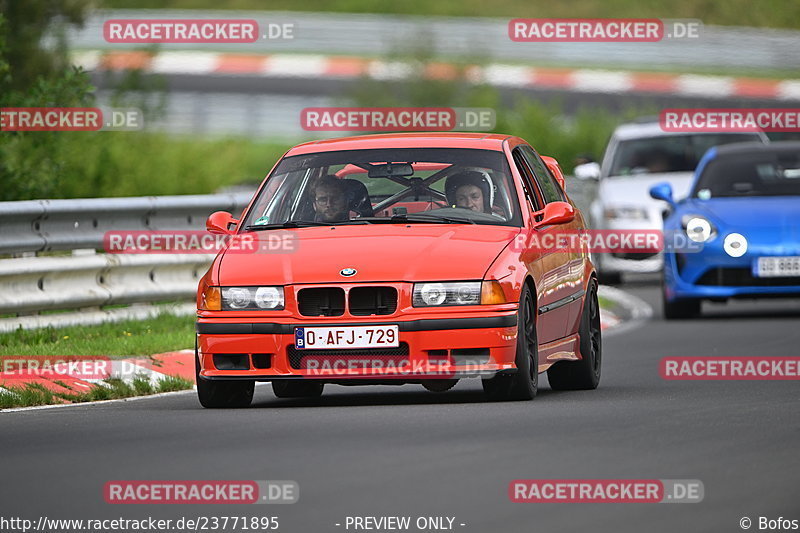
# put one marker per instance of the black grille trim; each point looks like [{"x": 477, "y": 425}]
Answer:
[
  {"x": 231, "y": 361},
  {"x": 366, "y": 301},
  {"x": 321, "y": 301},
  {"x": 742, "y": 277},
  {"x": 296, "y": 356}
]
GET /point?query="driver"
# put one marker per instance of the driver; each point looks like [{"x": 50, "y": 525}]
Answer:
[
  {"x": 330, "y": 200},
  {"x": 471, "y": 190}
]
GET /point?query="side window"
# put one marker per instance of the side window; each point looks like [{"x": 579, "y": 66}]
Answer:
[
  {"x": 528, "y": 183},
  {"x": 550, "y": 188}
]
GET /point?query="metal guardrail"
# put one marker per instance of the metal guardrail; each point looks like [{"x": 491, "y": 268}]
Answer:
[
  {"x": 355, "y": 34},
  {"x": 33, "y": 284},
  {"x": 88, "y": 279},
  {"x": 42, "y": 225}
]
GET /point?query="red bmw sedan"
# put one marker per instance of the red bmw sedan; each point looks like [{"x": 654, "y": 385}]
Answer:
[{"x": 395, "y": 259}]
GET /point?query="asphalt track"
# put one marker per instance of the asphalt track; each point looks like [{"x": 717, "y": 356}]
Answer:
[{"x": 402, "y": 451}]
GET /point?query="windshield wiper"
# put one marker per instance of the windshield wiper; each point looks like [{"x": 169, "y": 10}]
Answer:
[
  {"x": 417, "y": 218},
  {"x": 287, "y": 225}
]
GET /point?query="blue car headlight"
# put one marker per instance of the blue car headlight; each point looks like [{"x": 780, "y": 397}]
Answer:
[
  {"x": 698, "y": 228},
  {"x": 735, "y": 244}
]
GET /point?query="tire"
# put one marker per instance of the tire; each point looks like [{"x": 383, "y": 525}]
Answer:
[
  {"x": 585, "y": 373},
  {"x": 222, "y": 394},
  {"x": 681, "y": 308},
  {"x": 610, "y": 278},
  {"x": 523, "y": 384},
  {"x": 300, "y": 388}
]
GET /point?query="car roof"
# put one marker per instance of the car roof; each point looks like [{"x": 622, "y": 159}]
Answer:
[
  {"x": 478, "y": 141},
  {"x": 756, "y": 147},
  {"x": 636, "y": 130}
]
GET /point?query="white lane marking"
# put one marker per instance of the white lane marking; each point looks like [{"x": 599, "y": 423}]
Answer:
[
  {"x": 639, "y": 310},
  {"x": 185, "y": 63}
]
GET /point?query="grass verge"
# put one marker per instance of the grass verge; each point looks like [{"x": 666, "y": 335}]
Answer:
[
  {"x": 33, "y": 394},
  {"x": 165, "y": 333}
]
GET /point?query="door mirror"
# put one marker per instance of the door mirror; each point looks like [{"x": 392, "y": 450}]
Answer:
[
  {"x": 555, "y": 213},
  {"x": 662, "y": 191},
  {"x": 587, "y": 171},
  {"x": 220, "y": 223},
  {"x": 555, "y": 170}
]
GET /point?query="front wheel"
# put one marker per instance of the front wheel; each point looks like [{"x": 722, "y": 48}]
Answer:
[
  {"x": 524, "y": 384},
  {"x": 222, "y": 394},
  {"x": 585, "y": 373}
]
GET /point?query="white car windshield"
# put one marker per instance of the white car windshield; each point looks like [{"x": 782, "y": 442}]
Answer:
[{"x": 668, "y": 153}]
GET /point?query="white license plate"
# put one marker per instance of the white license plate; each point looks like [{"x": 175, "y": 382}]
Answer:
[
  {"x": 776, "y": 267},
  {"x": 343, "y": 337}
]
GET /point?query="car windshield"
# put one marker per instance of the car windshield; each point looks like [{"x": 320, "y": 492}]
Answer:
[
  {"x": 762, "y": 174},
  {"x": 413, "y": 185},
  {"x": 669, "y": 153}
]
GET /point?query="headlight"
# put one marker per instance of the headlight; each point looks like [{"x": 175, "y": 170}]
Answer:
[
  {"x": 698, "y": 228},
  {"x": 628, "y": 212},
  {"x": 252, "y": 298},
  {"x": 447, "y": 293},
  {"x": 735, "y": 244}
]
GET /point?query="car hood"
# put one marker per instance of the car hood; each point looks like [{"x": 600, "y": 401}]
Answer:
[
  {"x": 776, "y": 213},
  {"x": 635, "y": 190},
  {"x": 385, "y": 252}
]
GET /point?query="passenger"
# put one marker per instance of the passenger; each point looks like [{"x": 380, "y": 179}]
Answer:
[
  {"x": 659, "y": 161},
  {"x": 330, "y": 200},
  {"x": 470, "y": 190}
]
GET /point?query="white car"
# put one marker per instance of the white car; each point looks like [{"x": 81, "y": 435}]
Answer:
[{"x": 638, "y": 156}]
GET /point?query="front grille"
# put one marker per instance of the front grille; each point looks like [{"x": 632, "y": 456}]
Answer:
[
  {"x": 298, "y": 359},
  {"x": 365, "y": 301},
  {"x": 742, "y": 277},
  {"x": 323, "y": 301}
]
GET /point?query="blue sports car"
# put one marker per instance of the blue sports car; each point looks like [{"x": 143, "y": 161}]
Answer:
[{"x": 744, "y": 209}]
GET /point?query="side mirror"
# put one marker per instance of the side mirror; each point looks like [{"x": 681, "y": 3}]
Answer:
[
  {"x": 662, "y": 191},
  {"x": 555, "y": 169},
  {"x": 587, "y": 171},
  {"x": 555, "y": 213},
  {"x": 220, "y": 223}
]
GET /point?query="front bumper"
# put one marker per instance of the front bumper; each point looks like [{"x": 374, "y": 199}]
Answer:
[
  {"x": 634, "y": 263},
  {"x": 460, "y": 345},
  {"x": 713, "y": 274}
]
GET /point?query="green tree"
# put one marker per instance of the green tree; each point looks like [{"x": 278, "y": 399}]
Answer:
[{"x": 35, "y": 72}]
